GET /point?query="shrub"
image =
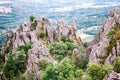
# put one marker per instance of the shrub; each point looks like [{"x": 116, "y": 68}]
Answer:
[
  {"x": 65, "y": 69},
  {"x": 86, "y": 78},
  {"x": 69, "y": 52},
  {"x": 33, "y": 25},
  {"x": 42, "y": 34},
  {"x": 58, "y": 57},
  {"x": 63, "y": 38},
  {"x": 32, "y": 18},
  {"x": 2, "y": 58},
  {"x": 81, "y": 61},
  {"x": 10, "y": 68},
  {"x": 97, "y": 71},
  {"x": 42, "y": 64},
  {"x": 58, "y": 48},
  {"x": 71, "y": 46},
  {"x": 117, "y": 64},
  {"x": 79, "y": 73},
  {"x": 15, "y": 64},
  {"x": 25, "y": 47},
  {"x": 49, "y": 73}
]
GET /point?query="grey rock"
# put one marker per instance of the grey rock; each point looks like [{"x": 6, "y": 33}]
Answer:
[{"x": 112, "y": 76}]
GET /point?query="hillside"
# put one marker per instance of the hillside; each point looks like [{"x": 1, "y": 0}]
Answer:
[{"x": 37, "y": 51}]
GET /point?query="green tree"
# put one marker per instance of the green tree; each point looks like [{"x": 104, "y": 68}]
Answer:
[
  {"x": 117, "y": 64},
  {"x": 32, "y": 18},
  {"x": 15, "y": 64},
  {"x": 58, "y": 48},
  {"x": 63, "y": 38},
  {"x": 81, "y": 61},
  {"x": 42, "y": 64},
  {"x": 49, "y": 73},
  {"x": 10, "y": 68},
  {"x": 98, "y": 71},
  {"x": 65, "y": 69},
  {"x": 71, "y": 46},
  {"x": 42, "y": 34}
]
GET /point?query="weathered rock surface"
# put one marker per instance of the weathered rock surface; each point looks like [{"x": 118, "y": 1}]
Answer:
[
  {"x": 97, "y": 48},
  {"x": 112, "y": 76},
  {"x": 23, "y": 35}
]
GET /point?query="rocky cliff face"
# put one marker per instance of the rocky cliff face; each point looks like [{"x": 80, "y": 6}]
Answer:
[
  {"x": 105, "y": 46},
  {"x": 26, "y": 33}
]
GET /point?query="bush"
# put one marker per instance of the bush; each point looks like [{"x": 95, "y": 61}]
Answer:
[
  {"x": 25, "y": 47},
  {"x": 15, "y": 64},
  {"x": 63, "y": 38},
  {"x": 86, "y": 78},
  {"x": 58, "y": 48},
  {"x": 42, "y": 64},
  {"x": 42, "y": 34},
  {"x": 81, "y": 61},
  {"x": 97, "y": 71},
  {"x": 116, "y": 67},
  {"x": 71, "y": 46},
  {"x": 49, "y": 74},
  {"x": 33, "y": 25},
  {"x": 65, "y": 70},
  {"x": 32, "y": 18},
  {"x": 2, "y": 58},
  {"x": 79, "y": 73}
]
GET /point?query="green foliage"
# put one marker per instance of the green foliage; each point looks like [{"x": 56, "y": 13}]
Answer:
[
  {"x": 85, "y": 44},
  {"x": 71, "y": 46},
  {"x": 49, "y": 73},
  {"x": 97, "y": 71},
  {"x": 25, "y": 47},
  {"x": 112, "y": 42},
  {"x": 10, "y": 67},
  {"x": 111, "y": 33},
  {"x": 63, "y": 38},
  {"x": 20, "y": 58},
  {"x": 42, "y": 64},
  {"x": 15, "y": 64},
  {"x": 30, "y": 76},
  {"x": 69, "y": 52},
  {"x": 116, "y": 67},
  {"x": 86, "y": 78},
  {"x": 2, "y": 59},
  {"x": 42, "y": 34},
  {"x": 43, "y": 25},
  {"x": 65, "y": 70},
  {"x": 32, "y": 18},
  {"x": 81, "y": 61},
  {"x": 79, "y": 73},
  {"x": 33, "y": 25},
  {"x": 82, "y": 49},
  {"x": 58, "y": 48}
]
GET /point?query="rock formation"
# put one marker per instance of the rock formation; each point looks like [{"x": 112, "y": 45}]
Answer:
[
  {"x": 23, "y": 35},
  {"x": 112, "y": 76},
  {"x": 97, "y": 49}
]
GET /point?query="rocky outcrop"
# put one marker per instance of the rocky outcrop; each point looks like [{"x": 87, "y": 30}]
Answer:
[
  {"x": 24, "y": 35},
  {"x": 112, "y": 76},
  {"x": 97, "y": 48}
]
